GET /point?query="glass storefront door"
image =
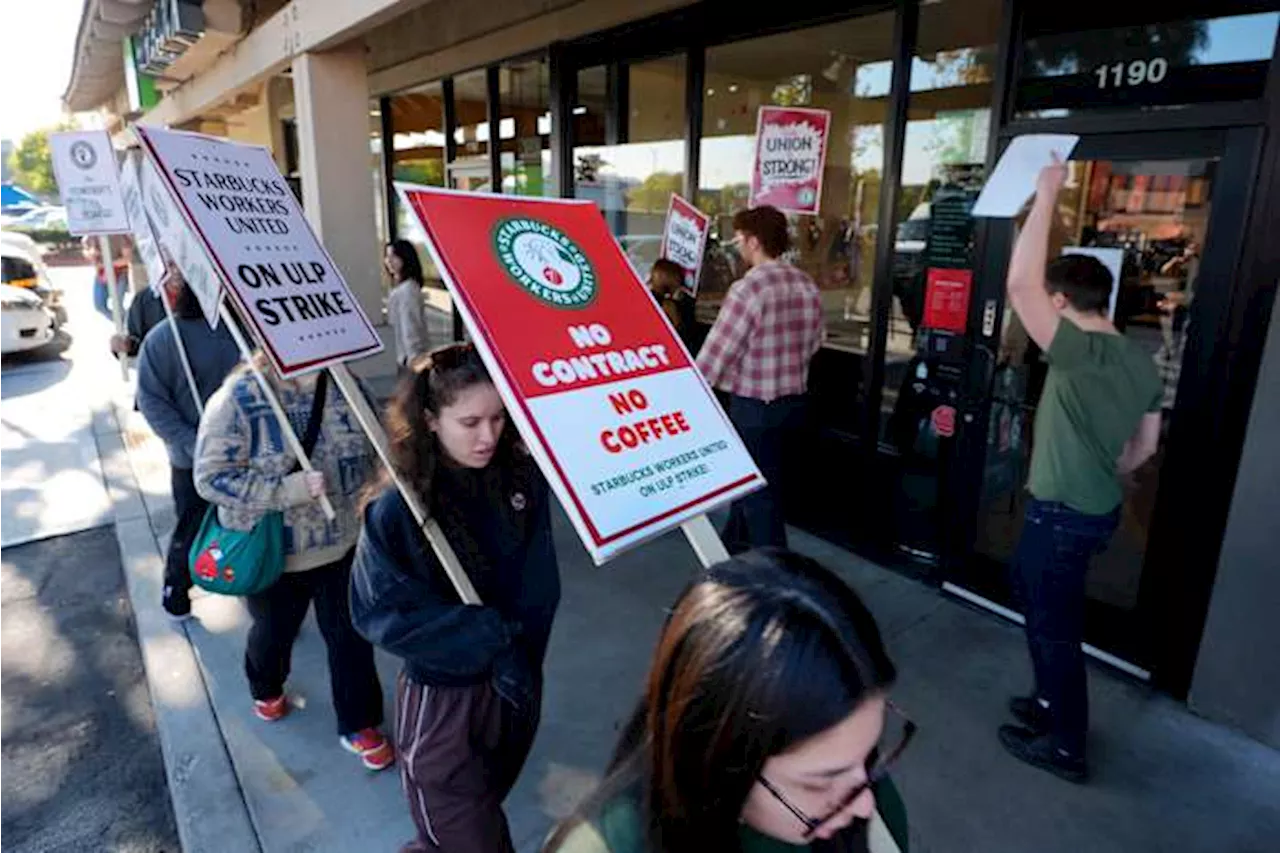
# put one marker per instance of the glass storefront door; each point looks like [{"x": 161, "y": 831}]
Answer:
[
  {"x": 1147, "y": 210},
  {"x": 628, "y": 148}
]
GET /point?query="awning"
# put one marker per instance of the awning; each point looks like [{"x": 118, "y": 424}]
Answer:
[
  {"x": 12, "y": 195},
  {"x": 97, "y": 71}
]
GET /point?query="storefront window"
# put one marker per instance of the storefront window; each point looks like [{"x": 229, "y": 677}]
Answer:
[
  {"x": 418, "y": 139},
  {"x": 470, "y": 169},
  {"x": 524, "y": 98},
  {"x": 628, "y": 156},
  {"x": 843, "y": 68}
]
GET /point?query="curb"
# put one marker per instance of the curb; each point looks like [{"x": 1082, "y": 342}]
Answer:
[{"x": 208, "y": 802}]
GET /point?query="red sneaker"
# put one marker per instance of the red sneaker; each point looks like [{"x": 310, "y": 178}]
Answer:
[
  {"x": 375, "y": 751},
  {"x": 271, "y": 709}
]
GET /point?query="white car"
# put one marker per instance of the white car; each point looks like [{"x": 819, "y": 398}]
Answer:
[
  {"x": 26, "y": 323},
  {"x": 51, "y": 216},
  {"x": 23, "y": 266}
]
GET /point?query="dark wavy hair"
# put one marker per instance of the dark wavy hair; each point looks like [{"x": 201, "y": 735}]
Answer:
[
  {"x": 410, "y": 266},
  {"x": 432, "y": 382},
  {"x": 761, "y": 652}
]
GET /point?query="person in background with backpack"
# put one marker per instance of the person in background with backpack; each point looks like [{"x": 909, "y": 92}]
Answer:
[
  {"x": 244, "y": 466},
  {"x": 765, "y": 725},
  {"x": 166, "y": 400},
  {"x": 469, "y": 695}
]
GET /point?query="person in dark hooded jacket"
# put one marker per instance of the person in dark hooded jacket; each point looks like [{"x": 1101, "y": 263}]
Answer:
[{"x": 469, "y": 694}]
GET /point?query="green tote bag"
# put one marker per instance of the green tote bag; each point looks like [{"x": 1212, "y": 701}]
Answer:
[{"x": 246, "y": 562}]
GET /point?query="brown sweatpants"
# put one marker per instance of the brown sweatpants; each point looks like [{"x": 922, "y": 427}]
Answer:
[{"x": 460, "y": 751}]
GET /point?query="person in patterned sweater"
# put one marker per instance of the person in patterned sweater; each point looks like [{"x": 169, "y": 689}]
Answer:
[
  {"x": 244, "y": 467},
  {"x": 758, "y": 352}
]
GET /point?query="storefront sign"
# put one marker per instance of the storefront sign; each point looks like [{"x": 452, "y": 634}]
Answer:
[
  {"x": 170, "y": 30},
  {"x": 791, "y": 151},
  {"x": 946, "y": 299},
  {"x": 85, "y": 165},
  {"x": 621, "y": 422},
  {"x": 1164, "y": 63},
  {"x": 143, "y": 240},
  {"x": 276, "y": 269},
  {"x": 684, "y": 237},
  {"x": 951, "y": 228}
]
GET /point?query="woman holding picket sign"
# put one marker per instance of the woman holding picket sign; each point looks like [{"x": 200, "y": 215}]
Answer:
[
  {"x": 470, "y": 692},
  {"x": 268, "y": 506}
]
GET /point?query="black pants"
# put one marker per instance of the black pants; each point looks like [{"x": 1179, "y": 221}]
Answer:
[
  {"x": 768, "y": 430},
  {"x": 1048, "y": 575},
  {"x": 189, "y": 508},
  {"x": 277, "y": 616},
  {"x": 461, "y": 750}
]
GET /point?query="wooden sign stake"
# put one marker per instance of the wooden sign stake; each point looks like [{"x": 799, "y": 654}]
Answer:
[{"x": 290, "y": 436}]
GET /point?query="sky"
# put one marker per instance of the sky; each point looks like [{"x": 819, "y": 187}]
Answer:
[{"x": 37, "y": 59}]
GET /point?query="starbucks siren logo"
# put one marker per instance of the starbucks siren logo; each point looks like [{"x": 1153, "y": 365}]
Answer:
[{"x": 542, "y": 260}]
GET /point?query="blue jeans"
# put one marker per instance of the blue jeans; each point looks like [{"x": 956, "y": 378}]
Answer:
[
  {"x": 767, "y": 430},
  {"x": 102, "y": 297},
  {"x": 1048, "y": 576}
]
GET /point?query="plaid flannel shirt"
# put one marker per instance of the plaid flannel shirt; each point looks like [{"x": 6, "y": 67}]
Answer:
[{"x": 768, "y": 329}]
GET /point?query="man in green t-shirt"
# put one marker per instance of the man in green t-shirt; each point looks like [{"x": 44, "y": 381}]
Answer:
[{"x": 1098, "y": 420}]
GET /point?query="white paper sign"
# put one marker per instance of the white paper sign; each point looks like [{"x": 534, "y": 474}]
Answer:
[
  {"x": 1014, "y": 178},
  {"x": 1112, "y": 259},
  {"x": 270, "y": 260},
  {"x": 85, "y": 165},
  {"x": 139, "y": 225},
  {"x": 179, "y": 241}
]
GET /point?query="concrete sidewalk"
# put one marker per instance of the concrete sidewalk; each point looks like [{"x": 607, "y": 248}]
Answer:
[{"x": 1164, "y": 779}]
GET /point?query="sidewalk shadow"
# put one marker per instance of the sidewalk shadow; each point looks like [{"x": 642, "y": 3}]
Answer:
[{"x": 83, "y": 768}]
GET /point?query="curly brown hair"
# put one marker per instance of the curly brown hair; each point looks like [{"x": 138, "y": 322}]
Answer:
[{"x": 433, "y": 382}]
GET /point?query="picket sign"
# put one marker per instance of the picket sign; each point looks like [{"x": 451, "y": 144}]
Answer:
[
  {"x": 144, "y": 241},
  {"x": 247, "y": 171},
  {"x": 606, "y": 396},
  {"x": 84, "y": 164}
]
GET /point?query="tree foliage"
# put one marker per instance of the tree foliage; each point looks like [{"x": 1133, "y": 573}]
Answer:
[{"x": 31, "y": 162}]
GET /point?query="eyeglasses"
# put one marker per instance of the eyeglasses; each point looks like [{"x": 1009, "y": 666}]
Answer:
[{"x": 879, "y": 770}]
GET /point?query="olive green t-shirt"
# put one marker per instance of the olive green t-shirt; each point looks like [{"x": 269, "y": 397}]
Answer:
[{"x": 1099, "y": 387}]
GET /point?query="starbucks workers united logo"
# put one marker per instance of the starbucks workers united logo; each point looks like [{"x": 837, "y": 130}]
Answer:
[{"x": 545, "y": 262}]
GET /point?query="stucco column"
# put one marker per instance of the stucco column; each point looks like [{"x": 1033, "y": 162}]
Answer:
[{"x": 331, "y": 97}]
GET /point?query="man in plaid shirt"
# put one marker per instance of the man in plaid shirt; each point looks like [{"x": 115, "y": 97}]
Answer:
[{"x": 758, "y": 352}]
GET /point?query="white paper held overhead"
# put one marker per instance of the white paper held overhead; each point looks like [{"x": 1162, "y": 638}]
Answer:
[{"x": 1014, "y": 178}]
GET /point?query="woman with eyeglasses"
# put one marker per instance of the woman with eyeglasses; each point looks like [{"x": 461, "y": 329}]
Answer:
[
  {"x": 765, "y": 725},
  {"x": 469, "y": 694}
]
